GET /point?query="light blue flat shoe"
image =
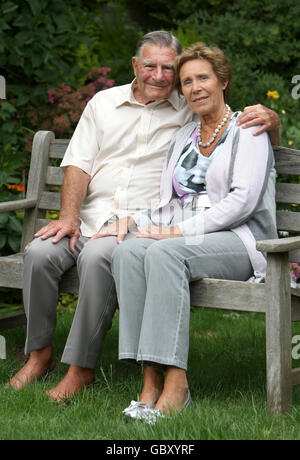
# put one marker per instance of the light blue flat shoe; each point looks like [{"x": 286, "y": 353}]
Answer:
[
  {"x": 188, "y": 403},
  {"x": 137, "y": 411}
]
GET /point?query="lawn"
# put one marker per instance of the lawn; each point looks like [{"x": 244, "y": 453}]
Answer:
[{"x": 227, "y": 382}]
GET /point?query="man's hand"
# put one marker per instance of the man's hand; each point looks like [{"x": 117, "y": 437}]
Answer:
[
  {"x": 119, "y": 228},
  {"x": 74, "y": 189},
  {"x": 260, "y": 115},
  {"x": 59, "y": 229},
  {"x": 159, "y": 233}
]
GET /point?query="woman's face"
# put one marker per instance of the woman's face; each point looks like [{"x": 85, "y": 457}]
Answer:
[{"x": 201, "y": 87}]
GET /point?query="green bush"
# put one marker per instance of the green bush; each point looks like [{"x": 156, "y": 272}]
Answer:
[
  {"x": 114, "y": 35},
  {"x": 38, "y": 43},
  {"x": 261, "y": 38}
]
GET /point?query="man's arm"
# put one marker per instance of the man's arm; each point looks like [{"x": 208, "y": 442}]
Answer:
[
  {"x": 260, "y": 115},
  {"x": 73, "y": 192}
]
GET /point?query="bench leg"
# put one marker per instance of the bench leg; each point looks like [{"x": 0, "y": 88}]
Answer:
[{"x": 278, "y": 334}]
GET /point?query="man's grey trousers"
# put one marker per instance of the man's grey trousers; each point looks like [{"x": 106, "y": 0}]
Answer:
[
  {"x": 152, "y": 280},
  {"x": 44, "y": 264}
]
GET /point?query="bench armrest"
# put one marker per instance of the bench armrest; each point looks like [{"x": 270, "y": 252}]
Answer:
[
  {"x": 7, "y": 206},
  {"x": 279, "y": 245}
]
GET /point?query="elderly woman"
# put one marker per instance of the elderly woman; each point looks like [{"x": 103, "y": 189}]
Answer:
[{"x": 217, "y": 200}]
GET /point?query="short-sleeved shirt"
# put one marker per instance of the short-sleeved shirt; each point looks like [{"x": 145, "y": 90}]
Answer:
[{"x": 122, "y": 145}]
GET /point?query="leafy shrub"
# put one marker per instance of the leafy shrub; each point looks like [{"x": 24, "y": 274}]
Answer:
[
  {"x": 114, "y": 35},
  {"x": 65, "y": 105},
  {"x": 38, "y": 39}
]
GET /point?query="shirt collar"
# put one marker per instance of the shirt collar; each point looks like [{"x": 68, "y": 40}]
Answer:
[{"x": 174, "y": 99}]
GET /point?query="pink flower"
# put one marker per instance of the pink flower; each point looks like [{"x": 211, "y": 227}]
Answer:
[
  {"x": 51, "y": 97},
  {"x": 105, "y": 70},
  {"x": 295, "y": 271},
  {"x": 110, "y": 83}
]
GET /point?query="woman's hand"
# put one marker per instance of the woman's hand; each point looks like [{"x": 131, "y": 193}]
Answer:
[
  {"x": 159, "y": 233},
  {"x": 119, "y": 228}
]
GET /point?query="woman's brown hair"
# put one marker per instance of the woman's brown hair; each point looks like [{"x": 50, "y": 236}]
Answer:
[{"x": 214, "y": 56}]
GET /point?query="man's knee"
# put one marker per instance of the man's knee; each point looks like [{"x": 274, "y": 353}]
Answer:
[
  {"x": 43, "y": 252},
  {"x": 97, "y": 252}
]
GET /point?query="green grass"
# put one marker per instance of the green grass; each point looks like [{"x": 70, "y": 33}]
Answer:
[{"x": 226, "y": 376}]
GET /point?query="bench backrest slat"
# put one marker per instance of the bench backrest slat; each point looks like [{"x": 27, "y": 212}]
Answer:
[
  {"x": 58, "y": 148},
  {"x": 288, "y": 221},
  {"x": 50, "y": 201},
  {"x": 55, "y": 175}
]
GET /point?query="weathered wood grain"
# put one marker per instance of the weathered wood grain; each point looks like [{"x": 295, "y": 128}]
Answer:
[
  {"x": 278, "y": 334},
  {"x": 280, "y": 245}
]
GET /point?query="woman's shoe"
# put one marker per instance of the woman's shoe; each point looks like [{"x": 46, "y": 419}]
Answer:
[
  {"x": 136, "y": 411},
  {"x": 187, "y": 403}
]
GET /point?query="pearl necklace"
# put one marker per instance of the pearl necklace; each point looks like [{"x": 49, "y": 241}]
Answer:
[{"x": 216, "y": 131}]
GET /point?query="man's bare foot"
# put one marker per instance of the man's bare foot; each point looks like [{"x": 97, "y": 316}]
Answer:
[
  {"x": 76, "y": 379},
  {"x": 40, "y": 362}
]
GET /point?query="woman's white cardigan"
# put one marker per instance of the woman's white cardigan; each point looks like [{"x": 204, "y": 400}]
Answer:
[{"x": 240, "y": 184}]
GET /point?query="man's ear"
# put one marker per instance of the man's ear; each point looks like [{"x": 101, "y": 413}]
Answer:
[{"x": 134, "y": 64}]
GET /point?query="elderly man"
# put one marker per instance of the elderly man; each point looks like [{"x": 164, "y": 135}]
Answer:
[{"x": 112, "y": 168}]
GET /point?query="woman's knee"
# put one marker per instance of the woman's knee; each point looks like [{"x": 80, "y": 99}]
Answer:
[
  {"x": 160, "y": 250},
  {"x": 128, "y": 252}
]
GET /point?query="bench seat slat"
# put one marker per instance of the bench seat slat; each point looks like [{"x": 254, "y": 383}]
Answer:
[{"x": 231, "y": 295}]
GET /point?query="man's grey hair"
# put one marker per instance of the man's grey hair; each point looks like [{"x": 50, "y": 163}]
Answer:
[{"x": 159, "y": 38}]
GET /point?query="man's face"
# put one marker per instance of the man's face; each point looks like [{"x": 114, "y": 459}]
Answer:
[{"x": 154, "y": 71}]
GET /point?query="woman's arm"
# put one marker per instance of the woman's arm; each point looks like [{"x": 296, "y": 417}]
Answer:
[{"x": 253, "y": 162}]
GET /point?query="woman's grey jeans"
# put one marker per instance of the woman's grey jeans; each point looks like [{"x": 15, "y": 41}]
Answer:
[{"x": 152, "y": 281}]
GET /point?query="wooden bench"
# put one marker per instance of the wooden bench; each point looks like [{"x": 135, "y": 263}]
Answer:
[{"x": 275, "y": 298}]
